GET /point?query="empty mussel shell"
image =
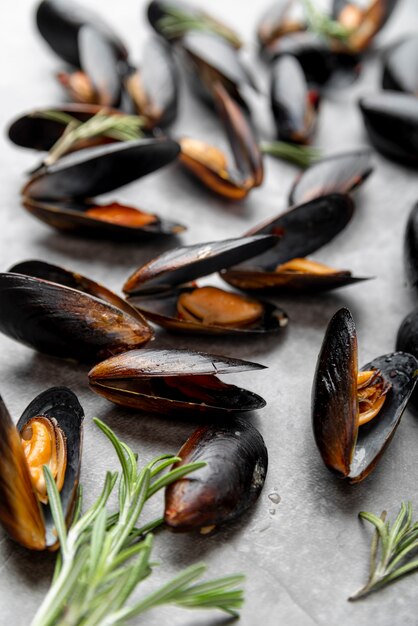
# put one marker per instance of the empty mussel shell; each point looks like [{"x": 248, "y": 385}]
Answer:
[
  {"x": 59, "y": 23},
  {"x": 294, "y": 106},
  {"x": 340, "y": 173},
  {"x": 411, "y": 247},
  {"x": 347, "y": 449},
  {"x": 111, "y": 221},
  {"x": 174, "y": 383},
  {"x": 95, "y": 171},
  {"x": 391, "y": 121},
  {"x": 230, "y": 482},
  {"x": 302, "y": 230},
  {"x": 64, "y": 314},
  {"x": 400, "y": 69},
  {"x": 48, "y": 433}
]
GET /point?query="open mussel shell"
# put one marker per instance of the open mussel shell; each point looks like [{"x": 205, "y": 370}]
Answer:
[
  {"x": 391, "y": 121},
  {"x": 110, "y": 221},
  {"x": 400, "y": 69},
  {"x": 95, "y": 171},
  {"x": 324, "y": 68},
  {"x": 162, "y": 310},
  {"x": 411, "y": 247},
  {"x": 294, "y": 106},
  {"x": 302, "y": 230},
  {"x": 364, "y": 22},
  {"x": 59, "y": 23},
  {"x": 230, "y": 482},
  {"x": 25, "y": 518},
  {"x": 64, "y": 314},
  {"x": 183, "y": 264},
  {"x": 340, "y": 173},
  {"x": 174, "y": 383},
  {"x": 347, "y": 450}
]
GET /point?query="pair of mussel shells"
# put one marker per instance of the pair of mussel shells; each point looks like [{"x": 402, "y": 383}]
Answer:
[
  {"x": 355, "y": 412},
  {"x": 48, "y": 433}
]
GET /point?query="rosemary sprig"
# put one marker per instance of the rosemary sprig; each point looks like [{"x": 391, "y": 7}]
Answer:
[
  {"x": 393, "y": 549},
  {"x": 322, "y": 24},
  {"x": 104, "y": 556},
  {"x": 177, "y": 22},
  {"x": 303, "y": 156},
  {"x": 120, "y": 127}
]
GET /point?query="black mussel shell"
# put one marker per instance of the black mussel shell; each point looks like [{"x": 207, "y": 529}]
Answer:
[
  {"x": 278, "y": 21},
  {"x": 27, "y": 520},
  {"x": 181, "y": 265},
  {"x": 99, "y": 62},
  {"x": 400, "y": 69},
  {"x": 59, "y": 22},
  {"x": 95, "y": 171},
  {"x": 407, "y": 341},
  {"x": 230, "y": 482},
  {"x": 294, "y": 106},
  {"x": 347, "y": 450},
  {"x": 273, "y": 282},
  {"x": 324, "y": 68},
  {"x": 391, "y": 121},
  {"x": 161, "y": 309},
  {"x": 411, "y": 247},
  {"x": 174, "y": 382},
  {"x": 64, "y": 314},
  {"x": 341, "y": 173},
  {"x": 35, "y": 131},
  {"x": 71, "y": 217}
]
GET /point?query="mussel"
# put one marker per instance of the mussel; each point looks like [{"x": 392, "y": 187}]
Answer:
[
  {"x": 229, "y": 484},
  {"x": 172, "y": 19},
  {"x": 362, "y": 22},
  {"x": 48, "y": 433},
  {"x": 210, "y": 165},
  {"x": 391, "y": 121},
  {"x": 178, "y": 383},
  {"x": 339, "y": 173},
  {"x": 302, "y": 230},
  {"x": 161, "y": 291},
  {"x": 400, "y": 69},
  {"x": 64, "y": 314},
  {"x": 279, "y": 20},
  {"x": 355, "y": 412}
]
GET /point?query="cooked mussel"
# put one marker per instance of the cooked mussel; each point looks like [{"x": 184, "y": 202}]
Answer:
[
  {"x": 302, "y": 230},
  {"x": 59, "y": 23},
  {"x": 362, "y": 22},
  {"x": 294, "y": 106},
  {"x": 355, "y": 412},
  {"x": 174, "y": 383},
  {"x": 277, "y": 21},
  {"x": 340, "y": 173},
  {"x": 229, "y": 484},
  {"x": 161, "y": 291},
  {"x": 48, "y": 433},
  {"x": 172, "y": 19},
  {"x": 210, "y": 165},
  {"x": 400, "y": 70},
  {"x": 391, "y": 121},
  {"x": 64, "y": 314}
]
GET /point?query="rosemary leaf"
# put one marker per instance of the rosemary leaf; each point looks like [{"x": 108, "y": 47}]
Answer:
[
  {"x": 323, "y": 25},
  {"x": 303, "y": 156}
]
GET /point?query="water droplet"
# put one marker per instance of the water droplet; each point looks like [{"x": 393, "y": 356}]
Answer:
[
  {"x": 274, "y": 497},
  {"x": 388, "y": 359},
  {"x": 272, "y": 511}
]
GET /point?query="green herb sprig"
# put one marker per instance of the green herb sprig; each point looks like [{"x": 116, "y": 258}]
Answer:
[
  {"x": 303, "y": 156},
  {"x": 120, "y": 127},
  {"x": 394, "y": 549},
  {"x": 104, "y": 556},
  {"x": 176, "y": 23},
  {"x": 322, "y": 24}
]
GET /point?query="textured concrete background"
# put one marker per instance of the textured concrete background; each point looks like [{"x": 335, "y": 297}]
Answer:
[{"x": 306, "y": 554}]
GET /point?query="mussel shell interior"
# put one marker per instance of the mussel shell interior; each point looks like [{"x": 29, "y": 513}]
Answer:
[
  {"x": 71, "y": 217},
  {"x": 399, "y": 369},
  {"x": 340, "y": 173},
  {"x": 94, "y": 171},
  {"x": 400, "y": 71},
  {"x": 230, "y": 482},
  {"x": 61, "y": 404},
  {"x": 162, "y": 310}
]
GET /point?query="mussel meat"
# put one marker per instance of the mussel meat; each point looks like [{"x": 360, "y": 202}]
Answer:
[
  {"x": 48, "y": 433},
  {"x": 174, "y": 383},
  {"x": 229, "y": 484},
  {"x": 64, "y": 314},
  {"x": 355, "y": 412}
]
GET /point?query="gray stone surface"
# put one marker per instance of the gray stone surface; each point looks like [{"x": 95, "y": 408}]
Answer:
[{"x": 306, "y": 554}]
